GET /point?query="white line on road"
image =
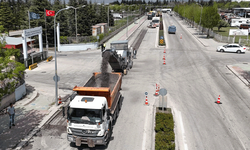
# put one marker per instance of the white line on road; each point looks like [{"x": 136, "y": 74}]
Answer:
[
  {"x": 144, "y": 138},
  {"x": 183, "y": 134}
]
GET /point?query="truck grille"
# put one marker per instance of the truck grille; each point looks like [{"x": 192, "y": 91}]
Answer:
[{"x": 84, "y": 132}]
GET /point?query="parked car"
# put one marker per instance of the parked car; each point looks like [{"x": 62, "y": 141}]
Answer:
[
  {"x": 232, "y": 48},
  {"x": 171, "y": 29},
  {"x": 244, "y": 26}
]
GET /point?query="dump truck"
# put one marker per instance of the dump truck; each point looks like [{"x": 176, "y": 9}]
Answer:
[
  {"x": 93, "y": 109},
  {"x": 121, "y": 56}
]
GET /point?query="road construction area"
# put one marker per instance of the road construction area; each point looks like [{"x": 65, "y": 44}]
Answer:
[{"x": 194, "y": 74}]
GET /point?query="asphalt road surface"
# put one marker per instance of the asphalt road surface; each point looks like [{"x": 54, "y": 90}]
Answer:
[{"x": 194, "y": 77}]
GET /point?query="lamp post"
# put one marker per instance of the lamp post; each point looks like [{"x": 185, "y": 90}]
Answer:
[
  {"x": 75, "y": 16},
  {"x": 200, "y": 17},
  {"x": 56, "y": 77}
]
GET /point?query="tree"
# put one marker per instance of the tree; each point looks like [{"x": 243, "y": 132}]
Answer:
[
  {"x": 212, "y": 18},
  {"x": 6, "y": 16},
  {"x": 11, "y": 71},
  {"x": 222, "y": 23}
]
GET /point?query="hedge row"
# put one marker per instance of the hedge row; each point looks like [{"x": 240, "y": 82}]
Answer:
[{"x": 164, "y": 138}]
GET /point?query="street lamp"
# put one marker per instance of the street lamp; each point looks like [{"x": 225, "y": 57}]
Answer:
[
  {"x": 200, "y": 17},
  {"x": 75, "y": 16},
  {"x": 56, "y": 77}
]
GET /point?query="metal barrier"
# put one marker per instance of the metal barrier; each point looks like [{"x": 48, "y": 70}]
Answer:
[
  {"x": 32, "y": 66},
  {"x": 49, "y": 58}
]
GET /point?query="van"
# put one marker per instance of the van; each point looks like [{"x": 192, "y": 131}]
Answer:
[
  {"x": 156, "y": 21},
  {"x": 244, "y": 26},
  {"x": 171, "y": 29}
]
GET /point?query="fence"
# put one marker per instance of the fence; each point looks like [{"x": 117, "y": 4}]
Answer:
[
  {"x": 119, "y": 25},
  {"x": 220, "y": 38}
]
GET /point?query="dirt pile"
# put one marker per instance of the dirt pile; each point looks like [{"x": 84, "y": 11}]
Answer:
[{"x": 104, "y": 70}]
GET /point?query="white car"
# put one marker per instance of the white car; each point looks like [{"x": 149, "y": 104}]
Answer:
[{"x": 232, "y": 48}]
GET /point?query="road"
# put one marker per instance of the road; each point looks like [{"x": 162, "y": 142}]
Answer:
[{"x": 194, "y": 76}]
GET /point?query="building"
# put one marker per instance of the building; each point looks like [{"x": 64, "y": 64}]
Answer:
[
  {"x": 242, "y": 12},
  {"x": 96, "y": 30}
]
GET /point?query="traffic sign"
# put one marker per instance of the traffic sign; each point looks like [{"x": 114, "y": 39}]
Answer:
[
  {"x": 58, "y": 78},
  {"x": 163, "y": 92},
  {"x": 161, "y": 37},
  {"x": 161, "y": 41},
  {"x": 146, "y": 93}
]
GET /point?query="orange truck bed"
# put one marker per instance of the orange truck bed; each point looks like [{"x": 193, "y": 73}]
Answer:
[{"x": 93, "y": 88}]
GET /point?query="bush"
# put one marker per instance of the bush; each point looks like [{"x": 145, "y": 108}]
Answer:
[{"x": 164, "y": 138}]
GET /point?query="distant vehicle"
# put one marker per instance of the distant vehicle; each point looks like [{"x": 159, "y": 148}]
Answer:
[
  {"x": 244, "y": 26},
  {"x": 171, "y": 29},
  {"x": 151, "y": 25},
  {"x": 236, "y": 48},
  {"x": 166, "y": 10},
  {"x": 170, "y": 14},
  {"x": 156, "y": 21},
  {"x": 238, "y": 21},
  {"x": 117, "y": 16}
]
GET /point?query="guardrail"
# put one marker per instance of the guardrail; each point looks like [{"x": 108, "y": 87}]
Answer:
[
  {"x": 32, "y": 66},
  {"x": 49, "y": 58}
]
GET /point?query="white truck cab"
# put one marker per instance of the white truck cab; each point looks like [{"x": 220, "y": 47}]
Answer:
[{"x": 87, "y": 120}]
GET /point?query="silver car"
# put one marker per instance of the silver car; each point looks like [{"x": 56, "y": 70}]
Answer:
[{"x": 236, "y": 48}]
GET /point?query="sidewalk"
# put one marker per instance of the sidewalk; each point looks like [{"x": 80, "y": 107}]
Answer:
[{"x": 32, "y": 111}]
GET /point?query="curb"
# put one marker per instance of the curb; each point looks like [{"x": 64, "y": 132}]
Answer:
[
  {"x": 237, "y": 74},
  {"x": 34, "y": 95},
  {"x": 194, "y": 35}
]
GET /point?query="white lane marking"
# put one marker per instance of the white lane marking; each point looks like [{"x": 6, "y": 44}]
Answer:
[
  {"x": 183, "y": 133},
  {"x": 145, "y": 133}
]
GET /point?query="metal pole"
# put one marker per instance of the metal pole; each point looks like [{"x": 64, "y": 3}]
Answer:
[
  {"x": 127, "y": 23},
  {"x": 76, "y": 23},
  {"x": 46, "y": 31},
  {"x": 56, "y": 77},
  {"x": 200, "y": 19},
  {"x": 108, "y": 18}
]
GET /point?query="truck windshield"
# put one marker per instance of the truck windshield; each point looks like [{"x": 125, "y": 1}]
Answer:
[
  {"x": 155, "y": 21},
  {"x": 90, "y": 116},
  {"x": 119, "y": 46}
]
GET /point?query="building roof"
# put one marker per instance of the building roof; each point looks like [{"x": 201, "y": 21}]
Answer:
[
  {"x": 95, "y": 26},
  {"x": 242, "y": 8},
  {"x": 101, "y": 24},
  {"x": 16, "y": 41}
]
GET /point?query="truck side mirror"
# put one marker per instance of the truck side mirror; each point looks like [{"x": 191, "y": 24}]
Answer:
[
  {"x": 72, "y": 96},
  {"x": 108, "y": 112}
]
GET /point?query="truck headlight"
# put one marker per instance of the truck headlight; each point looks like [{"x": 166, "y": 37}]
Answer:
[
  {"x": 99, "y": 141},
  {"x": 70, "y": 139},
  {"x": 100, "y": 133},
  {"x": 69, "y": 131}
]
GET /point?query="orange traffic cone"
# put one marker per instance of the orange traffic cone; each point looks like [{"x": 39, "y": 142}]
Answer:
[
  {"x": 164, "y": 51},
  {"x": 218, "y": 101},
  {"x": 146, "y": 101},
  {"x": 164, "y": 62},
  {"x": 181, "y": 36},
  {"x": 156, "y": 91},
  {"x": 164, "y": 57},
  {"x": 59, "y": 100}
]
